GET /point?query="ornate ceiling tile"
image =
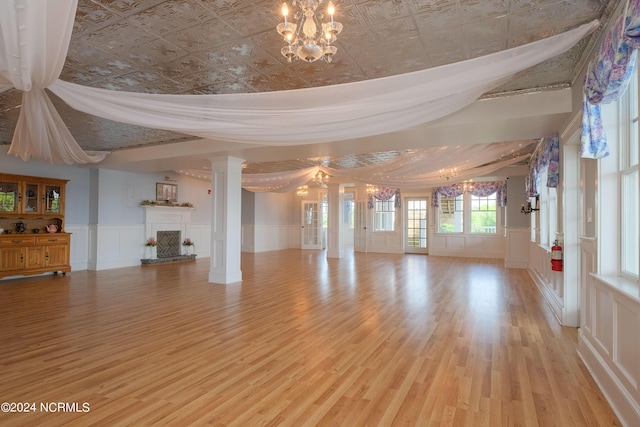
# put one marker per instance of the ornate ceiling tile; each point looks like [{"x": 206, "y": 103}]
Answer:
[{"x": 231, "y": 46}]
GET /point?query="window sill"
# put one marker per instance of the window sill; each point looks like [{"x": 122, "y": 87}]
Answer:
[{"x": 623, "y": 285}]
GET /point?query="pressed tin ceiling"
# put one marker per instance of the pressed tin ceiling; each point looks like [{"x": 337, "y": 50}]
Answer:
[{"x": 231, "y": 46}]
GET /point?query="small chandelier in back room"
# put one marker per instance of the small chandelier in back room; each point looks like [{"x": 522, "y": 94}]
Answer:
[{"x": 309, "y": 38}]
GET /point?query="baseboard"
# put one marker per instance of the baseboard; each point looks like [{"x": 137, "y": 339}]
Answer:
[
  {"x": 550, "y": 297},
  {"x": 622, "y": 403}
]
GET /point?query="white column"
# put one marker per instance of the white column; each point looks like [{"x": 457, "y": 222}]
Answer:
[
  {"x": 226, "y": 186},
  {"x": 335, "y": 245}
]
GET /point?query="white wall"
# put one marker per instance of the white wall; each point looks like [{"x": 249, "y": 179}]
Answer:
[
  {"x": 119, "y": 236},
  {"x": 276, "y": 223}
]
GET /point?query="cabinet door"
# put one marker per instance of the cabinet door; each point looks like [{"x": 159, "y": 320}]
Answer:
[
  {"x": 9, "y": 196},
  {"x": 11, "y": 259},
  {"x": 34, "y": 257},
  {"x": 57, "y": 256},
  {"x": 31, "y": 198},
  {"x": 52, "y": 199}
]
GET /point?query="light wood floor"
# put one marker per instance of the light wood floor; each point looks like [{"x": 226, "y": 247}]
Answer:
[{"x": 367, "y": 340}]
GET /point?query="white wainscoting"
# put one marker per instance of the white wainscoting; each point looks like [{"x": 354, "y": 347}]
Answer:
[
  {"x": 550, "y": 283},
  {"x": 263, "y": 238},
  {"x": 609, "y": 338},
  {"x": 464, "y": 245},
  {"x": 119, "y": 246},
  {"x": 80, "y": 252},
  {"x": 200, "y": 235},
  {"x": 389, "y": 242},
  {"x": 517, "y": 247}
]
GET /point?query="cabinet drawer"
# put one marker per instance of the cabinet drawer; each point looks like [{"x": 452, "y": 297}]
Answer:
[
  {"x": 17, "y": 240},
  {"x": 52, "y": 239}
]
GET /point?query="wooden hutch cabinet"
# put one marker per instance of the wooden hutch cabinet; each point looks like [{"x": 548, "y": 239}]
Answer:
[{"x": 31, "y": 207}]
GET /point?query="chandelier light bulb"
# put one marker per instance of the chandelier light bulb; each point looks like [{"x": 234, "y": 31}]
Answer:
[{"x": 285, "y": 11}]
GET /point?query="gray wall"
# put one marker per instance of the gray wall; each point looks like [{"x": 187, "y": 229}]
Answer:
[
  {"x": 515, "y": 199},
  {"x": 248, "y": 207}
]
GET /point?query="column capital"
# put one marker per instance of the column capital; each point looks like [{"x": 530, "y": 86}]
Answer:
[{"x": 226, "y": 160}]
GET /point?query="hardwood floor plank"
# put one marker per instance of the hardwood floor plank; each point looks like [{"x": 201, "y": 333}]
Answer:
[{"x": 366, "y": 340}]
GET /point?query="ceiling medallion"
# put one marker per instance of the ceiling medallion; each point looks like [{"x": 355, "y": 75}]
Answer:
[{"x": 309, "y": 39}]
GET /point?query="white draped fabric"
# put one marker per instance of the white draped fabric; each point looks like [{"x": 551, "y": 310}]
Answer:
[
  {"x": 322, "y": 114},
  {"x": 416, "y": 169},
  {"x": 34, "y": 38},
  {"x": 278, "y": 182}
]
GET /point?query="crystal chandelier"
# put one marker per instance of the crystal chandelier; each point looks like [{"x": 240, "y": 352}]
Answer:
[
  {"x": 447, "y": 174},
  {"x": 302, "y": 191},
  {"x": 371, "y": 189},
  {"x": 321, "y": 179},
  {"x": 309, "y": 39}
]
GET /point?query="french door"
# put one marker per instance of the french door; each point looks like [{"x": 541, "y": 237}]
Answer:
[
  {"x": 311, "y": 232},
  {"x": 416, "y": 220},
  {"x": 360, "y": 226}
]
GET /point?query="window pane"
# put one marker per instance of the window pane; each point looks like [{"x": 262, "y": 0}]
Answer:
[
  {"x": 630, "y": 241},
  {"x": 483, "y": 214},
  {"x": 385, "y": 215},
  {"x": 633, "y": 116},
  {"x": 450, "y": 215},
  {"x": 348, "y": 212}
]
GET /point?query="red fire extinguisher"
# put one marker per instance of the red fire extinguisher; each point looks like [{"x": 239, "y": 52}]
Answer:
[{"x": 556, "y": 257}]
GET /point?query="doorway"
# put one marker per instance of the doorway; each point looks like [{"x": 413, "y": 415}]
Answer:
[
  {"x": 311, "y": 232},
  {"x": 416, "y": 225}
]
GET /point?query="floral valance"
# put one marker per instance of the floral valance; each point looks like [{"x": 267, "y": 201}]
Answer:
[
  {"x": 384, "y": 194},
  {"x": 608, "y": 77},
  {"x": 545, "y": 157},
  {"x": 478, "y": 189}
]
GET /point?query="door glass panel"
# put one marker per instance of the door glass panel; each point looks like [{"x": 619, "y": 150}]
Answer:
[
  {"x": 52, "y": 198},
  {"x": 31, "y": 198},
  {"x": 311, "y": 224},
  {"x": 417, "y": 224},
  {"x": 9, "y": 197}
]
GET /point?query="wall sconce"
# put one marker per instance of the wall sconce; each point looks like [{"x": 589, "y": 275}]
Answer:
[{"x": 528, "y": 209}]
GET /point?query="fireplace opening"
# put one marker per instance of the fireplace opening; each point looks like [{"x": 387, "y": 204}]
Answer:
[{"x": 168, "y": 244}]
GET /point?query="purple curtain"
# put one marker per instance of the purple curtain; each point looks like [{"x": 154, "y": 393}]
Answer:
[
  {"x": 608, "y": 77},
  {"x": 478, "y": 189},
  {"x": 545, "y": 157},
  {"x": 385, "y": 193}
]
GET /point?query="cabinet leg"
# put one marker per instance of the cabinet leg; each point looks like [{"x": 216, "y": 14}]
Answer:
[
  {"x": 64, "y": 273},
  {"x": 55, "y": 273}
]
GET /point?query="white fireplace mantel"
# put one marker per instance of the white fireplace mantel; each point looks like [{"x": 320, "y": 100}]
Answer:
[{"x": 166, "y": 218}]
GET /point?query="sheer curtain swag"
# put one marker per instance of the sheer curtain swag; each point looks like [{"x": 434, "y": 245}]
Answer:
[
  {"x": 414, "y": 169},
  {"x": 35, "y": 38}
]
